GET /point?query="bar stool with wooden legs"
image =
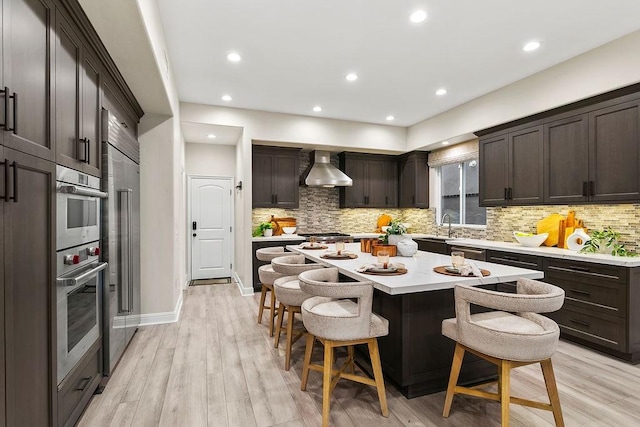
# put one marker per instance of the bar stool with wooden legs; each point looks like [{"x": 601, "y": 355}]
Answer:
[
  {"x": 290, "y": 297},
  {"x": 267, "y": 277},
  {"x": 512, "y": 337},
  {"x": 332, "y": 318}
]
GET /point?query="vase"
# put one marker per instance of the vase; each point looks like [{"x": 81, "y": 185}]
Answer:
[
  {"x": 267, "y": 232},
  {"x": 395, "y": 238}
]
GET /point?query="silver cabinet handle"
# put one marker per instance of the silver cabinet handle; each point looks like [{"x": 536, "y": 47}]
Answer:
[
  {"x": 73, "y": 281},
  {"x": 125, "y": 250},
  {"x": 82, "y": 191}
]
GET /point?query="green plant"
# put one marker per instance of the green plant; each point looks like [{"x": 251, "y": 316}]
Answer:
[
  {"x": 259, "y": 230},
  {"x": 606, "y": 239},
  {"x": 396, "y": 227}
]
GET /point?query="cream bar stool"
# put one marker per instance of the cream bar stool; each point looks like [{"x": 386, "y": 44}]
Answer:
[
  {"x": 513, "y": 337},
  {"x": 332, "y": 318},
  {"x": 267, "y": 277},
  {"x": 290, "y": 297}
]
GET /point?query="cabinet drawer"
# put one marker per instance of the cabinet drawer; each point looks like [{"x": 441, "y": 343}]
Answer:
[
  {"x": 515, "y": 260},
  {"x": 575, "y": 320},
  {"x": 599, "y": 272},
  {"x": 76, "y": 390},
  {"x": 470, "y": 253}
]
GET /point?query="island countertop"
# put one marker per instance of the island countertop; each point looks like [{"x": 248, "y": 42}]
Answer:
[{"x": 420, "y": 276}]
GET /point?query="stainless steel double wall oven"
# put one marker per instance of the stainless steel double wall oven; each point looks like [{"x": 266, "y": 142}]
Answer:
[{"x": 79, "y": 270}]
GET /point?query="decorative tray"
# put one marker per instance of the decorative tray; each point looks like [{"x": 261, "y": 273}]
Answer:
[
  {"x": 334, "y": 255},
  {"x": 308, "y": 247},
  {"x": 450, "y": 271}
]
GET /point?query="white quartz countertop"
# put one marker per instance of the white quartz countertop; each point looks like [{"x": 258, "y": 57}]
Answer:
[
  {"x": 374, "y": 235},
  {"x": 420, "y": 276},
  {"x": 546, "y": 251},
  {"x": 282, "y": 237}
]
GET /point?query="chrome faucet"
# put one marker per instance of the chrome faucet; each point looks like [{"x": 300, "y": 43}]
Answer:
[{"x": 449, "y": 218}]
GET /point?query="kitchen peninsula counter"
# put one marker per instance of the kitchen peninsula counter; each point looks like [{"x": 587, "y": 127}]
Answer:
[{"x": 415, "y": 355}]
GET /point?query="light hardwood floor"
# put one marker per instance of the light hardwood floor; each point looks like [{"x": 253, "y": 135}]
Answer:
[{"x": 217, "y": 367}]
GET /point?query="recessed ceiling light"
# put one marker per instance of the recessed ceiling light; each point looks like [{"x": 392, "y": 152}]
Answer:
[
  {"x": 317, "y": 108},
  {"x": 531, "y": 46},
  {"x": 211, "y": 136},
  {"x": 418, "y": 16},
  {"x": 445, "y": 142},
  {"x": 234, "y": 57},
  {"x": 226, "y": 98},
  {"x": 351, "y": 77},
  {"x": 441, "y": 92},
  {"x": 390, "y": 118}
]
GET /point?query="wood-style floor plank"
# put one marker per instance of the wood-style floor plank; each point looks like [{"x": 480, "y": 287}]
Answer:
[{"x": 217, "y": 367}]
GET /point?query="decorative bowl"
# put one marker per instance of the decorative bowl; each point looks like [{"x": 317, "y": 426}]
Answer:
[
  {"x": 384, "y": 228},
  {"x": 530, "y": 240},
  {"x": 289, "y": 230}
]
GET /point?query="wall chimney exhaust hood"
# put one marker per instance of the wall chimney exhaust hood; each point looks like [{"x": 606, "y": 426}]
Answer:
[{"x": 324, "y": 174}]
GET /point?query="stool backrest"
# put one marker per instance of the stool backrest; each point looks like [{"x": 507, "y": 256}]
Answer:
[
  {"x": 267, "y": 254},
  {"x": 292, "y": 265}
]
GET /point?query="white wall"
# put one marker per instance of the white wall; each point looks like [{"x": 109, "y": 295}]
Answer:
[
  {"x": 611, "y": 66},
  {"x": 210, "y": 159}
]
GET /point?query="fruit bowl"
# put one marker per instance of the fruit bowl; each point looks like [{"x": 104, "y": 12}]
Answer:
[
  {"x": 289, "y": 230},
  {"x": 529, "y": 239}
]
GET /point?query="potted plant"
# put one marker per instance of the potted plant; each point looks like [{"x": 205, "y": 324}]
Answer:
[
  {"x": 606, "y": 242},
  {"x": 394, "y": 233},
  {"x": 263, "y": 229}
]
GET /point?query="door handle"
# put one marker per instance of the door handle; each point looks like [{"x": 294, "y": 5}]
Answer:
[
  {"x": 15, "y": 183},
  {"x": 88, "y": 148},
  {"x": 15, "y": 113},
  {"x": 5, "y": 197},
  {"x": 194, "y": 234},
  {"x": 194, "y": 225},
  {"x": 585, "y": 188},
  {"x": 6, "y": 108},
  {"x": 592, "y": 188},
  {"x": 83, "y": 384}
]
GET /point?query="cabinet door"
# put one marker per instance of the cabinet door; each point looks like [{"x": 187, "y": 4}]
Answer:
[
  {"x": 29, "y": 294},
  {"x": 355, "y": 195},
  {"x": 27, "y": 45},
  {"x": 286, "y": 180},
  {"x": 377, "y": 184},
  {"x": 391, "y": 184},
  {"x": 526, "y": 166},
  {"x": 566, "y": 160},
  {"x": 263, "y": 171},
  {"x": 3, "y": 164},
  {"x": 614, "y": 153},
  {"x": 407, "y": 183},
  {"x": 494, "y": 158},
  {"x": 90, "y": 110},
  {"x": 70, "y": 151},
  {"x": 422, "y": 182}
]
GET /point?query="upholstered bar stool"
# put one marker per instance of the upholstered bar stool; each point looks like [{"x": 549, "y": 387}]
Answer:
[
  {"x": 332, "y": 318},
  {"x": 290, "y": 297},
  {"x": 267, "y": 277},
  {"x": 509, "y": 338}
]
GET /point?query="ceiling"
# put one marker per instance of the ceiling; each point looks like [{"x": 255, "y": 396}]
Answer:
[{"x": 296, "y": 54}]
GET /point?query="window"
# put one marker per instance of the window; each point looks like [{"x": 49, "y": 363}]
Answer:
[{"x": 459, "y": 193}]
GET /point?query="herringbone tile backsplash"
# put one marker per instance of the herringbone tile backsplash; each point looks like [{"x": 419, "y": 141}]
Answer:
[{"x": 319, "y": 211}]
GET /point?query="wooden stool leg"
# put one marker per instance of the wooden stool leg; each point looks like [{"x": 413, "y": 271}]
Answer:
[
  {"x": 263, "y": 296},
  {"x": 272, "y": 316},
  {"x": 505, "y": 384},
  {"x": 352, "y": 366},
  {"x": 307, "y": 361},
  {"x": 552, "y": 391},
  {"x": 326, "y": 382},
  {"x": 458, "y": 355},
  {"x": 287, "y": 357},
  {"x": 276, "y": 342},
  {"x": 377, "y": 374}
]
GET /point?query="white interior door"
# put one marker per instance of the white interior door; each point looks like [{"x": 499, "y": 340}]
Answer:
[{"x": 210, "y": 228}]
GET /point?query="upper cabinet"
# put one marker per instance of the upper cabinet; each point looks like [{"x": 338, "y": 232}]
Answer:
[
  {"x": 511, "y": 168},
  {"x": 375, "y": 181},
  {"x": 77, "y": 101},
  {"x": 586, "y": 154},
  {"x": 276, "y": 175},
  {"x": 414, "y": 180},
  {"x": 27, "y": 47}
]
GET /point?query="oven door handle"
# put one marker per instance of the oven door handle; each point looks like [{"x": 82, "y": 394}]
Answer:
[
  {"x": 73, "y": 281},
  {"x": 82, "y": 191}
]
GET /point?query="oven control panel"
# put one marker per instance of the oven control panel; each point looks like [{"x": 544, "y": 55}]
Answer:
[{"x": 77, "y": 256}]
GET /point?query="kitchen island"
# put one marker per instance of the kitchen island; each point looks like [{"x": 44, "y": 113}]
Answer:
[{"x": 415, "y": 356}]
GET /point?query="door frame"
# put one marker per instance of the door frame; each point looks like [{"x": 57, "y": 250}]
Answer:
[{"x": 188, "y": 236}]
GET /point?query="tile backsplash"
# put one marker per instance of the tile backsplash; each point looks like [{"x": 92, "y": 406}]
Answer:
[{"x": 319, "y": 211}]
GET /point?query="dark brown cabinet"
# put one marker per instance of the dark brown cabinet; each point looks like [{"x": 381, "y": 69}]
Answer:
[
  {"x": 375, "y": 181},
  {"x": 511, "y": 168},
  {"x": 414, "y": 180},
  {"x": 27, "y": 55},
  {"x": 77, "y": 101},
  {"x": 29, "y": 292},
  {"x": 275, "y": 177}
]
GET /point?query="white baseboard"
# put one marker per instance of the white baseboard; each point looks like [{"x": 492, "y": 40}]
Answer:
[
  {"x": 244, "y": 291},
  {"x": 166, "y": 317}
]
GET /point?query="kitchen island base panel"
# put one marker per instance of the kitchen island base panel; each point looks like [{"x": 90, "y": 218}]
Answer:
[{"x": 416, "y": 357}]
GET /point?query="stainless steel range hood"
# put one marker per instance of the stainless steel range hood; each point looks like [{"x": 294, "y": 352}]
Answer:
[{"x": 324, "y": 174}]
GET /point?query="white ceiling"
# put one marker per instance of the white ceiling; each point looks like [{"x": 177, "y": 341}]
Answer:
[
  {"x": 295, "y": 53},
  {"x": 199, "y": 133}
]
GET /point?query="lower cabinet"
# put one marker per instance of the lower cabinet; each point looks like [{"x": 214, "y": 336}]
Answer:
[{"x": 78, "y": 387}]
